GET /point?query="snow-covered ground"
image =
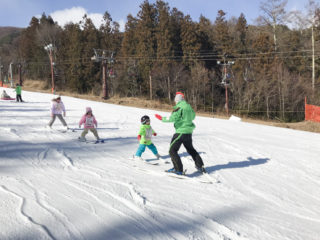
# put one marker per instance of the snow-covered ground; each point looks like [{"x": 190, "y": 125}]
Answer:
[{"x": 54, "y": 187}]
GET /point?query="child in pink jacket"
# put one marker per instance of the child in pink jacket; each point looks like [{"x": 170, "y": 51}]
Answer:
[{"x": 89, "y": 122}]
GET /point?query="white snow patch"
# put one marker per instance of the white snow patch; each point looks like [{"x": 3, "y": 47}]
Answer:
[
  {"x": 235, "y": 118},
  {"x": 54, "y": 187}
]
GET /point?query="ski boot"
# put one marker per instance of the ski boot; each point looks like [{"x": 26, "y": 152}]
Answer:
[
  {"x": 172, "y": 170},
  {"x": 137, "y": 158},
  {"x": 82, "y": 139},
  {"x": 201, "y": 169}
]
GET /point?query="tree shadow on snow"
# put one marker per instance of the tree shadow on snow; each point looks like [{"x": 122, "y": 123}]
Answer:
[{"x": 247, "y": 163}]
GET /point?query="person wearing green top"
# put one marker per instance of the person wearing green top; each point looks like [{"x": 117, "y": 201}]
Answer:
[
  {"x": 182, "y": 117},
  {"x": 18, "y": 93},
  {"x": 144, "y": 138}
]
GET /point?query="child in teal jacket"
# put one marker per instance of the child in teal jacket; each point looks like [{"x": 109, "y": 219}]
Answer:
[{"x": 144, "y": 138}]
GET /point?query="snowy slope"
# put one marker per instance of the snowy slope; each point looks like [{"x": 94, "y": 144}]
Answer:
[{"x": 55, "y": 187}]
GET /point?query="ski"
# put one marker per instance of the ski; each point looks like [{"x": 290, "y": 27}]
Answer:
[
  {"x": 188, "y": 177},
  {"x": 210, "y": 178},
  {"x": 144, "y": 161},
  {"x": 61, "y": 130},
  {"x": 164, "y": 160},
  {"x": 74, "y": 129},
  {"x": 91, "y": 141},
  {"x": 58, "y": 130}
]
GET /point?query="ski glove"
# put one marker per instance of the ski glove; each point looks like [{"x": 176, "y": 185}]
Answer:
[
  {"x": 158, "y": 116},
  {"x": 139, "y": 137}
]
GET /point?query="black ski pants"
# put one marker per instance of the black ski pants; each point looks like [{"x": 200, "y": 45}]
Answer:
[
  {"x": 186, "y": 140},
  {"x": 19, "y": 98}
]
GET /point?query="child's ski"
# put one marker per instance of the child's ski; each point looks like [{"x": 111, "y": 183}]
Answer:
[
  {"x": 210, "y": 178},
  {"x": 144, "y": 161},
  {"x": 90, "y": 141}
]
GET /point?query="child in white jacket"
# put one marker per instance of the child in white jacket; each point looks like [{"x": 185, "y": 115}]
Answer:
[
  {"x": 57, "y": 108},
  {"x": 89, "y": 122}
]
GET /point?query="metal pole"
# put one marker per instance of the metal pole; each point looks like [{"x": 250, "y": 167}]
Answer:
[
  {"x": 104, "y": 79},
  {"x": 226, "y": 87},
  {"x": 103, "y": 58},
  {"x": 212, "y": 97},
  {"x": 20, "y": 76},
  {"x": 0, "y": 73},
  {"x": 313, "y": 63},
  {"x": 10, "y": 72},
  {"x": 150, "y": 78},
  {"x": 52, "y": 72},
  {"x": 227, "y": 104}
]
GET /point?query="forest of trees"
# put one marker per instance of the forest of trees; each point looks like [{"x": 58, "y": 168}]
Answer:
[{"x": 268, "y": 68}]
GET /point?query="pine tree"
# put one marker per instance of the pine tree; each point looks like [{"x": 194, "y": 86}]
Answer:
[
  {"x": 146, "y": 48},
  {"x": 32, "y": 52},
  {"x": 207, "y": 49},
  {"x": 128, "y": 75},
  {"x": 221, "y": 34},
  {"x": 164, "y": 49},
  {"x": 190, "y": 43},
  {"x": 71, "y": 51},
  {"x": 90, "y": 70}
]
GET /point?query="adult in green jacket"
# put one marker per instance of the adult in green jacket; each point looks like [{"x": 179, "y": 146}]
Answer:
[{"x": 182, "y": 117}]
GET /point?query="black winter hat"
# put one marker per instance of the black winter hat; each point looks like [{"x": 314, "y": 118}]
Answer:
[{"x": 145, "y": 119}]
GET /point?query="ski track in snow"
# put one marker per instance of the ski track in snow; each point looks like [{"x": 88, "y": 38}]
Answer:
[
  {"x": 60, "y": 220},
  {"x": 29, "y": 218},
  {"x": 268, "y": 182}
]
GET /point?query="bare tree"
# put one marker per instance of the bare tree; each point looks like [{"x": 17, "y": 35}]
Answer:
[
  {"x": 274, "y": 14},
  {"x": 199, "y": 77},
  {"x": 308, "y": 20}
]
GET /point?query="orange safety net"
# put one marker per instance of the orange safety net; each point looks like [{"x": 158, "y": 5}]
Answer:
[
  {"x": 3, "y": 85},
  {"x": 312, "y": 113}
]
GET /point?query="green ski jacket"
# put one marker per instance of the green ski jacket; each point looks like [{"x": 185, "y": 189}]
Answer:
[
  {"x": 182, "y": 117},
  {"x": 146, "y": 132},
  {"x": 18, "y": 90}
]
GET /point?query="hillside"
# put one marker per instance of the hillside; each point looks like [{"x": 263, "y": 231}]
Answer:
[
  {"x": 7, "y": 34},
  {"x": 266, "y": 179}
]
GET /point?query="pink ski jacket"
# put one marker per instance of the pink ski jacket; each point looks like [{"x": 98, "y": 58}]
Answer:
[{"x": 88, "y": 121}]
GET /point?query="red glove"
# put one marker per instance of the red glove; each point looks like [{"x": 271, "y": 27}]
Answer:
[
  {"x": 154, "y": 134},
  {"x": 139, "y": 137},
  {"x": 158, "y": 116}
]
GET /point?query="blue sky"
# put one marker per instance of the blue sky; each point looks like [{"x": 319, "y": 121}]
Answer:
[{"x": 18, "y": 13}]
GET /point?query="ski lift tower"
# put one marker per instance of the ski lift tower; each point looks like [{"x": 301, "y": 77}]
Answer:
[
  {"x": 10, "y": 74},
  {"x": 1, "y": 67},
  {"x": 104, "y": 57},
  {"x": 225, "y": 64},
  {"x": 49, "y": 48}
]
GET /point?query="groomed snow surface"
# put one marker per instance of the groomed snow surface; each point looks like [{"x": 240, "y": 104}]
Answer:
[{"x": 54, "y": 187}]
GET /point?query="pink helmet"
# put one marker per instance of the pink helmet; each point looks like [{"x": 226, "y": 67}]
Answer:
[{"x": 88, "y": 109}]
